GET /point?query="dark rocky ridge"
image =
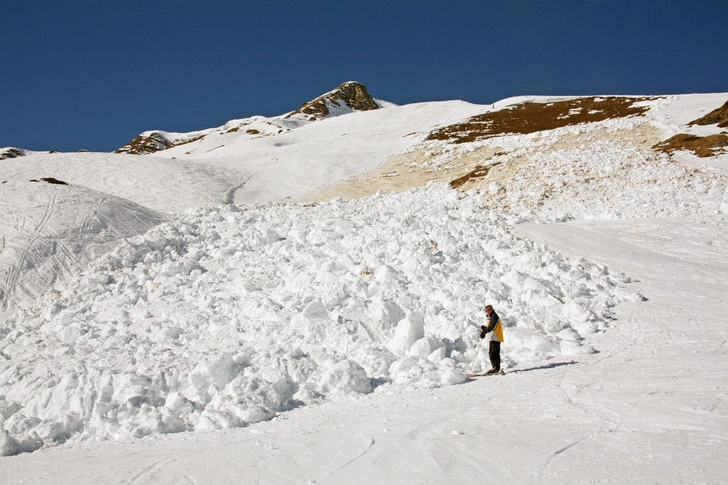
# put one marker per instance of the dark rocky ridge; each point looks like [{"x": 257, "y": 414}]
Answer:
[
  {"x": 144, "y": 144},
  {"x": 11, "y": 152},
  {"x": 351, "y": 94},
  {"x": 153, "y": 142}
]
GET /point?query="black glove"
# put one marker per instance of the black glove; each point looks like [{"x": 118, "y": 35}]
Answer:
[{"x": 482, "y": 331}]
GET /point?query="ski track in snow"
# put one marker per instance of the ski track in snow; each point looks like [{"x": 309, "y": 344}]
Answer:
[{"x": 51, "y": 232}]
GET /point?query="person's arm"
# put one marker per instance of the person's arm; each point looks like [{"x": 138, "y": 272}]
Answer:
[{"x": 491, "y": 325}]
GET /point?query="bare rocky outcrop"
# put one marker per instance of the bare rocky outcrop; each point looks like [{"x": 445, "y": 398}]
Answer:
[
  {"x": 11, "y": 152},
  {"x": 151, "y": 142},
  {"x": 350, "y": 96},
  {"x": 145, "y": 143}
]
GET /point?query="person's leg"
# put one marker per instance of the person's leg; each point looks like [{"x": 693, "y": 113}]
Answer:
[{"x": 494, "y": 354}]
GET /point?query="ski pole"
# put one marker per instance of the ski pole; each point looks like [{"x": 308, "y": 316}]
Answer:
[
  {"x": 469, "y": 333},
  {"x": 476, "y": 356}
]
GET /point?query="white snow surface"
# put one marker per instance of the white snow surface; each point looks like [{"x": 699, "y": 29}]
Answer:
[
  {"x": 223, "y": 167},
  {"x": 292, "y": 163},
  {"x": 299, "y": 303},
  {"x": 320, "y": 343},
  {"x": 50, "y": 232}
]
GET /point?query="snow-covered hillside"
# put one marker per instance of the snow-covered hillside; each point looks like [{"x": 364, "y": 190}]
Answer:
[
  {"x": 224, "y": 315},
  {"x": 220, "y": 168}
]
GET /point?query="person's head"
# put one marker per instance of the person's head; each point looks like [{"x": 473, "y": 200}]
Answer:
[{"x": 489, "y": 310}]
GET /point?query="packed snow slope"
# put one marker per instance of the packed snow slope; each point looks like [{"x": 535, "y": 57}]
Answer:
[
  {"x": 60, "y": 211},
  {"x": 227, "y": 315},
  {"x": 52, "y": 230}
]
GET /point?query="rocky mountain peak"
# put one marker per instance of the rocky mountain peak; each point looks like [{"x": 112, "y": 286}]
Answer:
[
  {"x": 350, "y": 96},
  {"x": 145, "y": 143}
]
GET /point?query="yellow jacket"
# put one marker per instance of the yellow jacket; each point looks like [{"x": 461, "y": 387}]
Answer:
[{"x": 494, "y": 325}]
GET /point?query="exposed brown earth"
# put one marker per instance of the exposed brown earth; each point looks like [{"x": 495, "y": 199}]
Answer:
[
  {"x": 185, "y": 142},
  {"x": 479, "y": 172},
  {"x": 532, "y": 117},
  {"x": 351, "y": 94},
  {"x": 702, "y": 146},
  {"x": 718, "y": 115}
]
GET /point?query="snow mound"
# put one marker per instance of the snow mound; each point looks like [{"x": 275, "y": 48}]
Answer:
[
  {"x": 51, "y": 230},
  {"x": 229, "y": 315}
]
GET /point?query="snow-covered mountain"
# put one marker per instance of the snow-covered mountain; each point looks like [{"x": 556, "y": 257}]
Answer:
[
  {"x": 350, "y": 97},
  {"x": 222, "y": 277}
]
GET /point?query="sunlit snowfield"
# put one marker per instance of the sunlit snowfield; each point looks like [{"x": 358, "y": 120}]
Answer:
[{"x": 329, "y": 342}]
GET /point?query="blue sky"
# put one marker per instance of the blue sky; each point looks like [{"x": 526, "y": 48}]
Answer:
[{"x": 94, "y": 74}]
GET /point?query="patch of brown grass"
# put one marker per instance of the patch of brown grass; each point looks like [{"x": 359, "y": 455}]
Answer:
[
  {"x": 718, "y": 115},
  {"x": 531, "y": 117},
  {"x": 702, "y": 146},
  {"x": 480, "y": 171}
]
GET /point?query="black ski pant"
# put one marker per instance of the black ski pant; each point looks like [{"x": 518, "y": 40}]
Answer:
[{"x": 494, "y": 354}]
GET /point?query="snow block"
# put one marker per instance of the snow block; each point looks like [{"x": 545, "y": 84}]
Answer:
[
  {"x": 408, "y": 331},
  {"x": 345, "y": 377},
  {"x": 8, "y": 445}
]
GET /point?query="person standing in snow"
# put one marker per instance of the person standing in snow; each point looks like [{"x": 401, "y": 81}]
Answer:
[{"x": 494, "y": 325}]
